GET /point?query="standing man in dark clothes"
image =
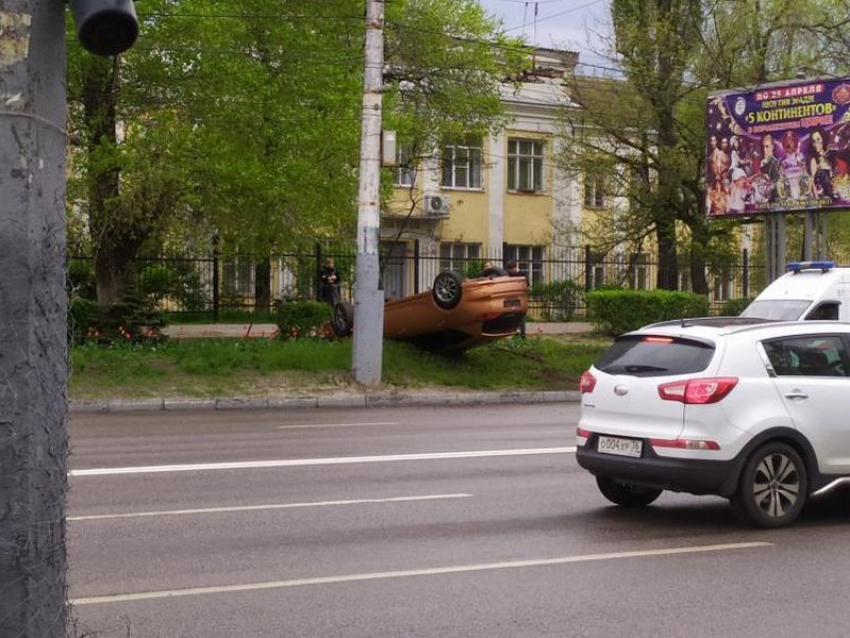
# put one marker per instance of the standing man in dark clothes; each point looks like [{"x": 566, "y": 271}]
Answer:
[
  {"x": 330, "y": 282},
  {"x": 514, "y": 271}
]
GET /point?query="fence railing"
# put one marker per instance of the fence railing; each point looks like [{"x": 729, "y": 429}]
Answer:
[{"x": 209, "y": 285}]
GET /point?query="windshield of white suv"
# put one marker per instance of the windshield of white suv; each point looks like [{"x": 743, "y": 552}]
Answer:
[
  {"x": 653, "y": 356},
  {"x": 777, "y": 309}
]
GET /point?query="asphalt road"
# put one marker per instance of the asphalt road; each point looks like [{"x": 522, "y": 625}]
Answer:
[{"x": 416, "y": 522}]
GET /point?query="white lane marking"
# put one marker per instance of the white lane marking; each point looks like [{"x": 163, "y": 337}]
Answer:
[
  {"x": 339, "y": 460},
  {"x": 302, "y": 426},
  {"x": 459, "y": 569},
  {"x": 274, "y": 506}
]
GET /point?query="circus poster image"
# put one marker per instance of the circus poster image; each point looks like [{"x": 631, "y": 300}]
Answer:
[{"x": 778, "y": 148}]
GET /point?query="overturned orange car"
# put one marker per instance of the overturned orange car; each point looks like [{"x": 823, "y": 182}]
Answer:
[{"x": 456, "y": 314}]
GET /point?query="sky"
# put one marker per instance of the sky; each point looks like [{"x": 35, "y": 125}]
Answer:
[{"x": 561, "y": 24}]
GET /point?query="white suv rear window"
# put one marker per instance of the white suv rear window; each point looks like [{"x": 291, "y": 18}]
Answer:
[{"x": 655, "y": 356}]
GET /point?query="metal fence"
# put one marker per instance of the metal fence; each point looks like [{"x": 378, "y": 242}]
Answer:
[{"x": 209, "y": 286}]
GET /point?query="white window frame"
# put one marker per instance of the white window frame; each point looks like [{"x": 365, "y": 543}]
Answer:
[
  {"x": 594, "y": 191},
  {"x": 457, "y": 255},
  {"x": 723, "y": 284},
  {"x": 639, "y": 276},
  {"x": 530, "y": 260},
  {"x": 237, "y": 278},
  {"x": 405, "y": 170},
  {"x": 462, "y": 165},
  {"x": 528, "y": 163}
]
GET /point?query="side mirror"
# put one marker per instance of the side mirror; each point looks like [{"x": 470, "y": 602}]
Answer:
[{"x": 105, "y": 27}]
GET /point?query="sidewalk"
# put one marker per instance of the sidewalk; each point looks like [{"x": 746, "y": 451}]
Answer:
[{"x": 193, "y": 331}]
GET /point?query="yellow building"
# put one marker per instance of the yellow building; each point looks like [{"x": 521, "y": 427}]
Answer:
[{"x": 491, "y": 199}]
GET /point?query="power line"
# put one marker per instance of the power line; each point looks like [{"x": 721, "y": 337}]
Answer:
[
  {"x": 250, "y": 16},
  {"x": 558, "y": 15}
]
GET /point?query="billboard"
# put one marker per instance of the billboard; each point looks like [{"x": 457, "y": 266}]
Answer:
[{"x": 781, "y": 147}]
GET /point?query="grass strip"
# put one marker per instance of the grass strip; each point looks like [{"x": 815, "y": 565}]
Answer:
[{"x": 261, "y": 367}]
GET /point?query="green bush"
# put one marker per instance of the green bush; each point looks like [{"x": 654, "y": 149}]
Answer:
[
  {"x": 734, "y": 307},
  {"x": 81, "y": 279},
  {"x": 176, "y": 280},
  {"x": 557, "y": 300},
  {"x": 131, "y": 320},
  {"x": 83, "y": 317},
  {"x": 617, "y": 311},
  {"x": 472, "y": 268},
  {"x": 299, "y": 319}
]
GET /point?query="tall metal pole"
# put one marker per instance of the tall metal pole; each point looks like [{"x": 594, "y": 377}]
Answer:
[
  {"x": 368, "y": 298},
  {"x": 33, "y": 332},
  {"x": 810, "y": 228}
]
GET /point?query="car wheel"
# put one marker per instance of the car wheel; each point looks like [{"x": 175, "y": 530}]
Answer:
[
  {"x": 773, "y": 487},
  {"x": 447, "y": 289},
  {"x": 342, "y": 320},
  {"x": 625, "y": 494}
]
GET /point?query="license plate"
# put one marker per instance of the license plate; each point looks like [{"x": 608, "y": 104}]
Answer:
[{"x": 620, "y": 447}]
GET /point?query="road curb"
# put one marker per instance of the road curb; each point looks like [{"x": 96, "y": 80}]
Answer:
[{"x": 361, "y": 400}]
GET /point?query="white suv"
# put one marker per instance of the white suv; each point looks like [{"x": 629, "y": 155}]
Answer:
[{"x": 753, "y": 411}]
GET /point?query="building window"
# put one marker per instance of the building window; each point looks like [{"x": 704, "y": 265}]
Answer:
[
  {"x": 639, "y": 272},
  {"x": 598, "y": 273},
  {"x": 594, "y": 191},
  {"x": 529, "y": 258},
  {"x": 405, "y": 171},
  {"x": 462, "y": 165},
  {"x": 525, "y": 165},
  {"x": 237, "y": 277},
  {"x": 723, "y": 285},
  {"x": 459, "y": 256}
]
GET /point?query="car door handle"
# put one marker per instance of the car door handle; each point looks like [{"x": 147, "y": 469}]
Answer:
[{"x": 796, "y": 394}]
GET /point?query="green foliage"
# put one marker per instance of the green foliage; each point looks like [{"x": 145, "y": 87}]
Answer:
[
  {"x": 734, "y": 307},
  {"x": 300, "y": 319},
  {"x": 244, "y": 119},
  {"x": 131, "y": 320},
  {"x": 81, "y": 281},
  {"x": 83, "y": 316},
  {"x": 614, "y": 312},
  {"x": 173, "y": 280},
  {"x": 472, "y": 267},
  {"x": 558, "y": 300}
]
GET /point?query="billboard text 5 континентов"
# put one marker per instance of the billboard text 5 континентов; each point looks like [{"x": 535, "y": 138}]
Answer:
[{"x": 779, "y": 148}]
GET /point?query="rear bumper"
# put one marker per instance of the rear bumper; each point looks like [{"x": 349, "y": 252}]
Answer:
[{"x": 650, "y": 470}]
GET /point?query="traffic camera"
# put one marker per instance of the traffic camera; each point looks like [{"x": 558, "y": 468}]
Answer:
[{"x": 105, "y": 27}]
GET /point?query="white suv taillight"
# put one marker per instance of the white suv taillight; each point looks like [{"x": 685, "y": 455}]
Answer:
[
  {"x": 697, "y": 391},
  {"x": 587, "y": 382}
]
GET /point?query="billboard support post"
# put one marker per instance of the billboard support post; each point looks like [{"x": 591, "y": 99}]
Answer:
[
  {"x": 809, "y": 235},
  {"x": 775, "y": 230}
]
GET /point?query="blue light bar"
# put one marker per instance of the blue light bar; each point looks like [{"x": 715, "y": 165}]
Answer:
[{"x": 797, "y": 266}]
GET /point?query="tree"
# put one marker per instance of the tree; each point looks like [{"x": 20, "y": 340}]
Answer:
[
  {"x": 128, "y": 155},
  {"x": 258, "y": 115},
  {"x": 650, "y": 122},
  {"x": 633, "y": 122}
]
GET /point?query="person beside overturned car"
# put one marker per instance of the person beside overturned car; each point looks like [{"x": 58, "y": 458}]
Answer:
[{"x": 329, "y": 278}]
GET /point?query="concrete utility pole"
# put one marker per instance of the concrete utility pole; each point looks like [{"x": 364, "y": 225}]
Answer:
[
  {"x": 33, "y": 339},
  {"x": 368, "y": 297}
]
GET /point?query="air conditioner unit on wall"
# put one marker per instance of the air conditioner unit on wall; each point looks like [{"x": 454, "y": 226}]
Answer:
[{"x": 437, "y": 205}]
